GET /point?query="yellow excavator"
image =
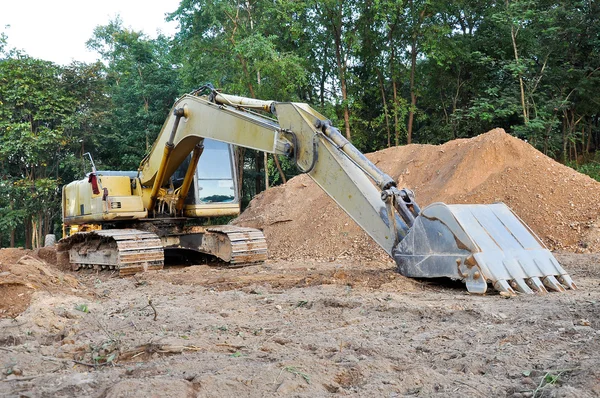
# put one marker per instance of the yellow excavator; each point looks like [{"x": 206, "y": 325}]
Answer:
[{"x": 129, "y": 220}]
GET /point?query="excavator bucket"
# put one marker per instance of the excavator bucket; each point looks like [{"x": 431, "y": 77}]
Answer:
[{"x": 479, "y": 244}]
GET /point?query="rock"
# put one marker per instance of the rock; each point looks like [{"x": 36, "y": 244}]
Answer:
[
  {"x": 527, "y": 381},
  {"x": 288, "y": 387},
  {"x": 351, "y": 358}
]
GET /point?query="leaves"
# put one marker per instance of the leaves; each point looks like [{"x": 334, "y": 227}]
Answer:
[
  {"x": 82, "y": 308},
  {"x": 293, "y": 370}
]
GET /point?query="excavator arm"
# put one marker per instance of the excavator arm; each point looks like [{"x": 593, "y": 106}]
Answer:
[{"x": 478, "y": 244}]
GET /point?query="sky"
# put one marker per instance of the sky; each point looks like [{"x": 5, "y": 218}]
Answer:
[{"x": 56, "y": 30}]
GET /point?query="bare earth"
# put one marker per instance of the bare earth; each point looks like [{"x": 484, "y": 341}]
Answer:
[
  {"x": 327, "y": 314},
  {"x": 301, "y": 328}
]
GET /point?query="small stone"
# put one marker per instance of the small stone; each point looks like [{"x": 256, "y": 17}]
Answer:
[
  {"x": 287, "y": 387},
  {"x": 527, "y": 381},
  {"x": 351, "y": 358}
]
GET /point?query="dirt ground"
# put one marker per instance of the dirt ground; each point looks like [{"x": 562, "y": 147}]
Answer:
[
  {"x": 327, "y": 314},
  {"x": 301, "y": 328}
]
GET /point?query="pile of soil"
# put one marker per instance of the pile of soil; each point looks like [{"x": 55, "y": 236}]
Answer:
[
  {"x": 23, "y": 272},
  {"x": 558, "y": 203}
]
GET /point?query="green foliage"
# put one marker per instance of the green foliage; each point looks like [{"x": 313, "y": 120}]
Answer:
[
  {"x": 82, "y": 308},
  {"x": 142, "y": 84},
  {"x": 293, "y": 370},
  {"x": 591, "y": 168},
  {"x": 233, "y": 45},
  {"x": 287, "y": 166},
  {"x": 38, "y": 115}
]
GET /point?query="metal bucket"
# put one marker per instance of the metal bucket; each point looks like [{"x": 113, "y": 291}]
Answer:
[{"x": 479, "y": 244}]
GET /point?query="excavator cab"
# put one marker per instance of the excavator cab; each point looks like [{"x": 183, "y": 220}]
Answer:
[{"x": 214, "y": 191}]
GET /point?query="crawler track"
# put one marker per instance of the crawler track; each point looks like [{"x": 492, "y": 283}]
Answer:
[
  {"x": 131, "y": 250},
  {"x": 239, "y": 246},
  {"x": 127, "y": 250}
]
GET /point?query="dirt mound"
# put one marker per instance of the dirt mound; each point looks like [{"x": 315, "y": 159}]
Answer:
[
  {"x": 558, "y": 203},
  {"x": 22, "y": 273}
]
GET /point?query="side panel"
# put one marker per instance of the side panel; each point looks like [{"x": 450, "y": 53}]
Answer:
[{"x": 81, "y": 206}]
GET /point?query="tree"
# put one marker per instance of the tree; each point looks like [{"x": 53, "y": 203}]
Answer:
[
  {"x": 235, "y": 46},
  {"x": 35, "y": 114},
  {"x": 142, "y": 84}
]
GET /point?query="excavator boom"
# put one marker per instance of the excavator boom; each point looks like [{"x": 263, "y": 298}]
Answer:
[{"x": 477, "y": 244}]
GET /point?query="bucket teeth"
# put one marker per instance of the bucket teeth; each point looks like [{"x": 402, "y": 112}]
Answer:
[{"x": 479, "y": 244}]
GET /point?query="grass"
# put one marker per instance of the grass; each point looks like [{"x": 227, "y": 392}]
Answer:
[
  {"x": 551, "y": 378},
  {"x": 296, "y": 372},
  {"x": 591, "y": 169}
]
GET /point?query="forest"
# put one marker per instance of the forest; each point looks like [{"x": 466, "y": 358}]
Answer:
[{"x": 387, "y": 73}]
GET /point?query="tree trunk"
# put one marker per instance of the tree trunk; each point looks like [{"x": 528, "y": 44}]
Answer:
[
  {"x": 385, "y": 110},
  {"x": 247, "y": 74},
  {"x": 265, "y": 160},
  {"x": 279, "y": 168},
  {"x": 46, "y": 229},
  {"x": 394, "y": 90},
  {"x": 346, "y": 109},
  {"x": 323, "y": 78},
  {"x": 413, "y": 95},
  {"x": 513, "y": 37},
  {"x": 39, "y": 232},
  {"x": 240, "y": 154},
  {"x": 28, "y": 233},
  {"x": 341, "y": 64},
  {"x": 257, "y": 168}
]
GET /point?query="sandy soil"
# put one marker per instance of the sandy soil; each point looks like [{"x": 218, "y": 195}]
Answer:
[{"x": 301, "y": 328}]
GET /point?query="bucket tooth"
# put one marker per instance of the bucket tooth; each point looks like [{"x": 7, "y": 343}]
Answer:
[
  {"x": 479, "y": 244},
  {"x": 504, "y": 287},
  {"x": 551, "y": 283},
  {"x": 536, "y": 285},
  {"x": 476, "y": 283},
  {"x": 566, "y": 280},
  {"x": 521, "y": 286}
]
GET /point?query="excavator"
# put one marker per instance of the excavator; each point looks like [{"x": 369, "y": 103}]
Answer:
[{"x": 129, "y": 221}]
